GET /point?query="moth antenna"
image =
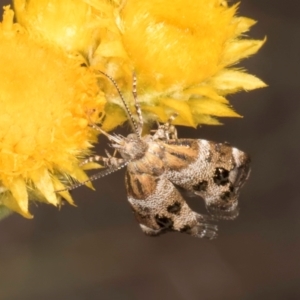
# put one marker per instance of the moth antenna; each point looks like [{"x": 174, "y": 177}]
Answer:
[
  {"x": 95, "y": 177},
  {"x": 114, "y": 138},
  {"x": 134, "y": 125},
  {"x": 136, "y": 104}
]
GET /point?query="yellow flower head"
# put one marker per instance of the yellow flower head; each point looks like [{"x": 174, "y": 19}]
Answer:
[
  {"x": 183, "y": 53},
  {"x": 45, "y": 96}
]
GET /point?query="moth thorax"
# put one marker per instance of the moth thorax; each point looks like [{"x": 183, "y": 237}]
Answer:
[{"x": 133, "y": 148}]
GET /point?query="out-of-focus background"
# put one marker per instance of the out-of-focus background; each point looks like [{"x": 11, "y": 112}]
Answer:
[{"x": 97, "y": 251}]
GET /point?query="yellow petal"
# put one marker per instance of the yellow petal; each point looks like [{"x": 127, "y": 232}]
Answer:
[
  {"x": 11, "y": 203},
  {"x": 65, "y": 194},
  {"x": 206, "y": 91},
  {"x": 210, "y": 107},
  {"x": 81, "y": 176},
  {"x": 206, "y": 119},
  {"x": 240, "y": 49},
  {"x": 243, "y": 24},
  {"x": 91, "y": 166},
  {"x": 43, "y": 182},
  {"x": 19, "y": 192},
  {"x": 230, "y": 81},
  {"x": 155, "y": 112}
]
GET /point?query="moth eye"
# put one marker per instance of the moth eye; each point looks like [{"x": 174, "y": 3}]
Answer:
[
  {"x": 174, "y": 208},
  {"x": 163, "y": 222},
  {"x": 221, "y": 176},
  {"x": 201, "y": 186}
]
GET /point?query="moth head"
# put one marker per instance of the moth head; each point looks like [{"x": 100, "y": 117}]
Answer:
[{"x": 131, "y": 147}]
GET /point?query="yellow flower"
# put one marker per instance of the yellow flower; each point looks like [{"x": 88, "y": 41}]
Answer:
[
  {"x": 183, "y": 53},
  {"x": 45, "y": 96},
  {"x": 88, "y": 27}
]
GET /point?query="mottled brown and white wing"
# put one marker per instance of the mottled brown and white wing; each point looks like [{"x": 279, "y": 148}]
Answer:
[
  {"x": 159, "y": 207},
  {"x": 214, "y": 171}
]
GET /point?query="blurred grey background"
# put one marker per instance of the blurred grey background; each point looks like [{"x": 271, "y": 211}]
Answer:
[{"x": 97, "y": 251}]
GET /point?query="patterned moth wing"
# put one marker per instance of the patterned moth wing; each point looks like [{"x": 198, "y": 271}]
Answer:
[
  {"x": 214, "y": 171},
  {"x": 156, "y": 202},
  {"x": 159, "y": 207}
]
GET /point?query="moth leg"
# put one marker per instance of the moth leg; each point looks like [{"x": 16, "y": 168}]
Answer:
[
  {"x": 166, "y": 131},
  {"x": 204, "y": 229},
  {"x": 159, "y": 207},
  {"x": 109, "y": 161}
]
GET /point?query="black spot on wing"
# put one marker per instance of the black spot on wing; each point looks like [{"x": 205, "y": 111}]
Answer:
[
  {"x": 221, "y": 176},
  {"x": 163, "y": 221},
  {"x": 174, "y": 208},
  {"x": 201, "y": 186}
]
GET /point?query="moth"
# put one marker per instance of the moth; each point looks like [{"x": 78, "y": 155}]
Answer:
[{"x": 162, "y": 169}]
